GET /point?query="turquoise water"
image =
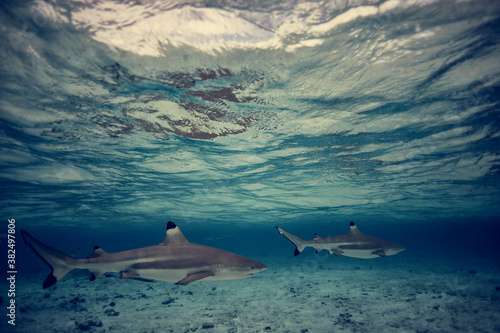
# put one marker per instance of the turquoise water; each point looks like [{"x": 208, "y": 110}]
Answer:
[
  {"x": 392, "y": 115},
  {"x": 230, "y": 118}
]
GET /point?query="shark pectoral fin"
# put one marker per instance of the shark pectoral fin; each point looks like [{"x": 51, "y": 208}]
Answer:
[
  {"x": 337, "y": 252},
  {"x": 132, "y": 275},
  {"x": 195, "y": 277},
  {"x": 379, "y": 253},
  {"x": 128, "y": 274}
]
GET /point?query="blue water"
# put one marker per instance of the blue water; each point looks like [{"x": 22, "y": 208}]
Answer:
[{"x": 232, "y": 118}]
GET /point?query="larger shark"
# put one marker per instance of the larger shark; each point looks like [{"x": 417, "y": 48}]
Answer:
[
  {"x": 175, "y": 259},
  {"x": 354, "y": 244}
]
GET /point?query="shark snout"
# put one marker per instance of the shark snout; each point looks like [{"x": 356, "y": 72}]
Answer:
[
  {"x": 397, "y": 249},
  {"x": 256, "y": 267},
  {"x": 261, "y": 267},
  {"x": 400, "y": 248}
]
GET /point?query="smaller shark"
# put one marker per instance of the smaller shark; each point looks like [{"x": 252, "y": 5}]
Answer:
[
  {"x": 354, "y": 244},
  {"x": 175, "y": 259}
]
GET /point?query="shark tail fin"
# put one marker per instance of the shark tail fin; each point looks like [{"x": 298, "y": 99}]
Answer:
[
  {"x": 299, "y": 243},
  {"x": 60, "y": 263}
]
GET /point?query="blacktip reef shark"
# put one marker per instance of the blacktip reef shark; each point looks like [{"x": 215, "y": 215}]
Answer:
[
  {"x": 175, "y": 259},
  {"x": 354, "y": 244}
]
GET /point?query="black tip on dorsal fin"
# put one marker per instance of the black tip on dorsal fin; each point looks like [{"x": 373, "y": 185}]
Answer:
[
  {"x": 353, "y": 229},
  {"x": 173, "y": 234},
  {"x": 97, "y": 252}
]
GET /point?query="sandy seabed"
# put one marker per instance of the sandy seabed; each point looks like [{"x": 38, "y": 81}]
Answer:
[{"x": 309, "y": 293}]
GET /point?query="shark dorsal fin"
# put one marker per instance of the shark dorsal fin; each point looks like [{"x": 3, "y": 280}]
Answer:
[
  {"x": 174, "y": 235},
  {"x": 97, "y": 252},
  {"x": 354, "y": 231}
]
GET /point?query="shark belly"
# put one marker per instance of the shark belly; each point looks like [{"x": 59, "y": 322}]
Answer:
[
  {"x": 349, "y": 250},
  {"x": 362, "y": 254},
  {"x": 176, "y": 275},
  {"x": 169, "y": 275}
]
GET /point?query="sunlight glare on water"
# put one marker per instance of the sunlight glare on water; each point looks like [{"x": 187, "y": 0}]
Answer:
[{"x": 249, "y": 113}]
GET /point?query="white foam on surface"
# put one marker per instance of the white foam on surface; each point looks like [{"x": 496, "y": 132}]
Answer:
[{"x": 147, "y": 30}]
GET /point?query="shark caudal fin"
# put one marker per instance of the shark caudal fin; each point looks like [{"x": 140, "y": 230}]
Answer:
[
  {"x": 299, "y": 243},
  {"x": 59, "y": 262}
]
